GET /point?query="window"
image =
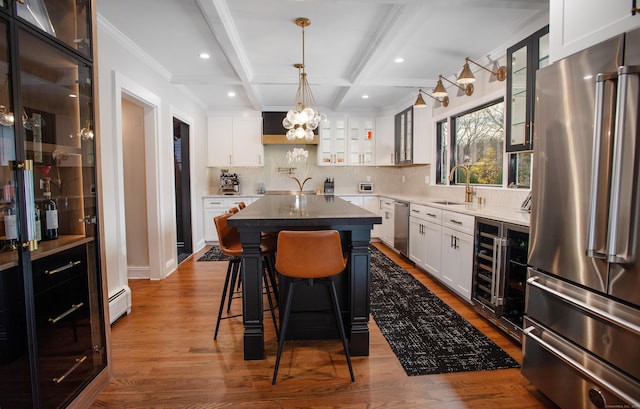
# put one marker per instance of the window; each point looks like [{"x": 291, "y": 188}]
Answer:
[
  {"x": 477, "y": 140},
  {"x": 520, "y": 170}
]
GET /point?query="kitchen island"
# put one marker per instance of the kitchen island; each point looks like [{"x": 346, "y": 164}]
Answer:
[{"x": 307, "y": 212}]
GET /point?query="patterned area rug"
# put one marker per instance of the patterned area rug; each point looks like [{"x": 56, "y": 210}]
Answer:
[
  {"x": 214, "y": 254},
  {"x": 427, "y": 336}
]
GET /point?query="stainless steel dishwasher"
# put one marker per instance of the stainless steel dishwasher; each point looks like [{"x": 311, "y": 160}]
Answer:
[{"x": 401, "y": 227}]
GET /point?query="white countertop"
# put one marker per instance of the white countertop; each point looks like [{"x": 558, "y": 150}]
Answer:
[{"x": 503, "y": 214}]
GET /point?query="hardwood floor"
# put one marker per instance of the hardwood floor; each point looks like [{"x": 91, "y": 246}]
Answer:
[{"x": 164, "y": 356}]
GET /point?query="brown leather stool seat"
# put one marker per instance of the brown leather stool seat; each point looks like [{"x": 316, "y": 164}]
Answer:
[
  {"x": 242, "y": 205},
  {"x": 229, "y": 241},
  {"x": 308, "y": 257}
]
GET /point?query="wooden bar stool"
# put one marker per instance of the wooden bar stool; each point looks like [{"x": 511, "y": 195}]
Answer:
[
  {"x": 309, "y": 257},
  {"x": 229, "y": 241},
  {"x": 242, "y": 205}
]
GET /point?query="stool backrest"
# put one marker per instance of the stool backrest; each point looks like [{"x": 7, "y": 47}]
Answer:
[
  {"x": 242, "y": 205},
  {"x": 228, "y": 236},
  {"x": 310, "y": 254}
]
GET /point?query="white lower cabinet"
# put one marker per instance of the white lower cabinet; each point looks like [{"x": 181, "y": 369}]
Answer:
[
  {"x": 367, "y": 202},
  {"x": 371, "y": 203},
  {"x": 215, "y": 206},
  {"x": 425, "y": 239},
  {"x": 457, "y": 252},
  {"x": 386, "y": 211}
]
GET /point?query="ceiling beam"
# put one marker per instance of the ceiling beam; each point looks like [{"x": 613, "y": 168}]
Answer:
[{"x": 218, "y": 17}]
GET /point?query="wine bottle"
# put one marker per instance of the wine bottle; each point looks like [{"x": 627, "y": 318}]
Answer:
[
  {"x": 10, "y": 225},
  {"x": 50, "y": 220},
  {"x": 38, "y": 223}
]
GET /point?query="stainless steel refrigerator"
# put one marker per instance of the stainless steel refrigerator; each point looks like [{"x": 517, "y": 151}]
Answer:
[{"x": 582, "y": 318}]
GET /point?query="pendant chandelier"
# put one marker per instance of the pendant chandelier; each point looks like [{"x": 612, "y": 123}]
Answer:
[{"x": 304, "y": 117}]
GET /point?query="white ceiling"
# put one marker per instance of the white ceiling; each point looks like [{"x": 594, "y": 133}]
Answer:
[{"x": 350, "y": 45}]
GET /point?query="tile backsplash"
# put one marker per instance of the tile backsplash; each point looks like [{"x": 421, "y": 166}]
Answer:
[{"x": 409, "y": 180}]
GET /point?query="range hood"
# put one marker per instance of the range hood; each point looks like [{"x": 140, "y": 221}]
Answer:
[{"x": 273, "y": 133}]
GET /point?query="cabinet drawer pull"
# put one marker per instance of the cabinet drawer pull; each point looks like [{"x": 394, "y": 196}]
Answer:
[
  {"x": 79, "y": 362},
  {"x": 455, "y": 221},
  {"x": 415, "y": 211},
  {"x": 74, "y": 307},
  {"x": 62, "y": 268},
  {"x": 431, "y": 215}
]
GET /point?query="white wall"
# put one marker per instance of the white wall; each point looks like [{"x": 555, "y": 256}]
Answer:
[{"x": 122, "y": 71}]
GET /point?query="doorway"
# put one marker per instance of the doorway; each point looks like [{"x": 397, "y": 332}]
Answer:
[{"x": 182, "y": 189}]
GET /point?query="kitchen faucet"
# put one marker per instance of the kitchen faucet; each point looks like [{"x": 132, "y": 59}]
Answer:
[{"x": 468, "y": 192}]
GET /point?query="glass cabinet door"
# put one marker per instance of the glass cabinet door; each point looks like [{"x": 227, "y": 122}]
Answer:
[
  {"x": 361, "y": 147},
  {"x": 404, "y": 137},
  {"x": 523, "y": 60},
  {"x": 518, "y": 123},
  {"x": 15, "y": 375},
  {"x": 333, "y": 142},
  {"x": 67, "y": 20}
]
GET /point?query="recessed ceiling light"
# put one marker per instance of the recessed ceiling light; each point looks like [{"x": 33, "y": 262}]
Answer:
[
  {"x": 231, "y": 94},
  {"x": 399, "y": 60},
  {"x": 365, "y": 96},
  {"x": 205, "y": 56}
]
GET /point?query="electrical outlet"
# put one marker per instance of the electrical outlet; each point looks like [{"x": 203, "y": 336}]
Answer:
[
  {"x": 368, "y": 178},
  {"x": 427, "y": 179},
  {"x": 402, "y": 178}
]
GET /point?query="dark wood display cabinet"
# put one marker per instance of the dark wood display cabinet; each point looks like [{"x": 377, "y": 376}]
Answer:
[{"x": 53, "y": 330}]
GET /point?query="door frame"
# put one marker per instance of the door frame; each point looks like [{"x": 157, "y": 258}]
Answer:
[{"x": 125, "y": 87}]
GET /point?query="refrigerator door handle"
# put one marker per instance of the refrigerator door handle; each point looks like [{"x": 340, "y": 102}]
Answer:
[
  {"x": 597, "y": 312},
  {"x": 592, "y": 245},
  {"x": 577, "y": 366},
  {"x": 620, "y": 248}
]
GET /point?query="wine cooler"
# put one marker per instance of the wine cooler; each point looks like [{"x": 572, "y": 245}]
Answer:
[{"x": 499, "y": 275}]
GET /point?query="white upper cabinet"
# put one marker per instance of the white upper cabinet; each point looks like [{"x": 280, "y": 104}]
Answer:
[
  {"x": 234, "y": 141},
  {"x": 361, "y": 144},
  {"x": 579, "y": 24},
  {"x": 385, "y": 141},
  {"x": 332, "y": 149},
  {"x": 347, "y": 142},
  {"x": 424, "y": 148}
]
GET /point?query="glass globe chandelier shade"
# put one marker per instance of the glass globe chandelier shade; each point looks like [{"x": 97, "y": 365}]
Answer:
[{"x": 303, "y": 118}]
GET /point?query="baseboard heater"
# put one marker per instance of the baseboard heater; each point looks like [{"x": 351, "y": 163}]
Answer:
[{"x": 119, "y": 304}]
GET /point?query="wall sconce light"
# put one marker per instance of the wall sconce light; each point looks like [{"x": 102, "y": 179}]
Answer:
[
  {"x": 421, "y": 104},
  {"x": 440, "y": 91},
  {"x": 467, "y": 77}
]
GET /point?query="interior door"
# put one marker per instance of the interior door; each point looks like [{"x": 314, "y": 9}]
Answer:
[{"x": 182, "y": 189}]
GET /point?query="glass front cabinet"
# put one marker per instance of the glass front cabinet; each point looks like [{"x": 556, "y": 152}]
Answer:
[
  {"x": 52, "y": 310},
  {"x": 523, "y": 60},
  {"x": 404, "y": 137}
]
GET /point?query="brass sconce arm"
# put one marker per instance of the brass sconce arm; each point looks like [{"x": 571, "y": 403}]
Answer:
[
  {"x": 420, "y": 101},
  {"x": 467, "y": 89},
  {"x": 467, "y": 77}
]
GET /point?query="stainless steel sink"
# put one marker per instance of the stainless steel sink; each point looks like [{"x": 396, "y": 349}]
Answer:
[
  {"x": 289, "y": 192},
  {"x": 447, "y": 203}
]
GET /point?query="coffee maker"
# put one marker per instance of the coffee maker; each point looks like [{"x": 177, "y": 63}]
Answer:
[{"x": 229, "y": 183}]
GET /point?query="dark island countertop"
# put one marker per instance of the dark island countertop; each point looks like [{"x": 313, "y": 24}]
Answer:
[{"x": 302, "y": 211}]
